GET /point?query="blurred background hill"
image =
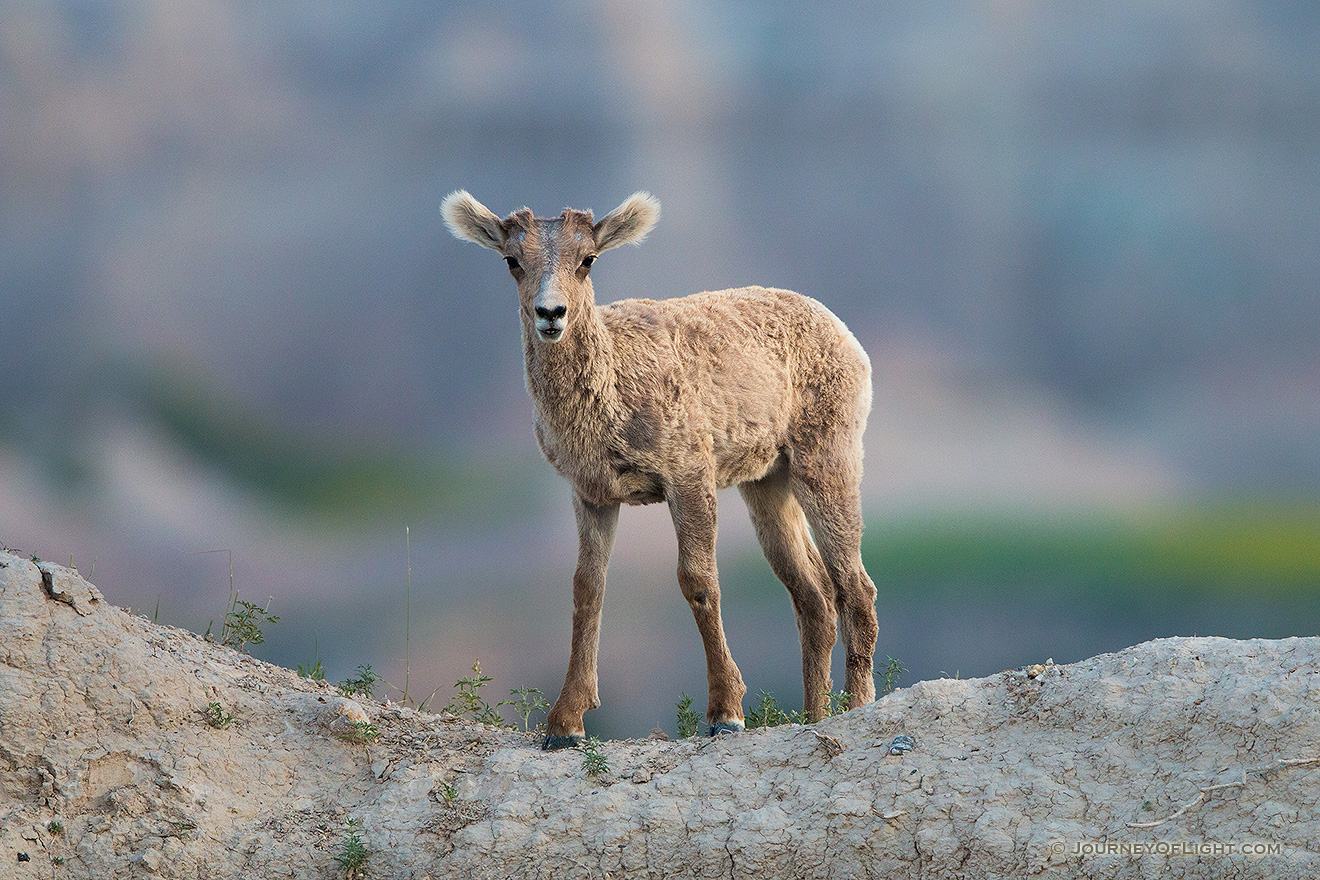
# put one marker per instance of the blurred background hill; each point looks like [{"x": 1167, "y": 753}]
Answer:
[{"x": 1079, "y": 244}]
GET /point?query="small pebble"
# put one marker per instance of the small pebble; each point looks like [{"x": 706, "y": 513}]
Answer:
[{"x": 901, "y": 743}]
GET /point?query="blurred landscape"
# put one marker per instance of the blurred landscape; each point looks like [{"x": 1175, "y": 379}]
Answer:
[{"x": 1079, "y": 244}]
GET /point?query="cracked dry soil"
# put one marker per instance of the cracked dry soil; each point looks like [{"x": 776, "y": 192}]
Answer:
[{"x": 1184, "y": 757}]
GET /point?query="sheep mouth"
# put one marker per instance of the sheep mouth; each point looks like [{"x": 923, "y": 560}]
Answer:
[{"x": 550, "y": 333}]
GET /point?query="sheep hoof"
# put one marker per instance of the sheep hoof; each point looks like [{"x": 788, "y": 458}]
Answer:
[
  {"x": 568, "y": 741},
  {"x": 723, "y": 728}
]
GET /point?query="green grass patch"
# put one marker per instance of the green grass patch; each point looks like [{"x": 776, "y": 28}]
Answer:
[
  {"x": 1228, "y": 548},
  {"x": 322, "y": 475}
]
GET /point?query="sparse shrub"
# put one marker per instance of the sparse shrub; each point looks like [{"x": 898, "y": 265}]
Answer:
[
  {"x": 243, "y": 621},
  {"x": 593, "y": 760},
  {"x": 312, "y": 671},
  {"x": 243, "y": 624},
  {"x": 361, "y": 733},
  {"x": 768, "y": 714},
  {"x": 364, "y": 685},
  {"x": 216, "y": 716},
  {"x": 688, "y": 718},
  {"x": 528, "y": 700},
  {"x": 836, "y": 703},
  {"x": 889, "y": 675},
  {"x": 353, "y": 853},
  {"x": 470, "y": 704}
]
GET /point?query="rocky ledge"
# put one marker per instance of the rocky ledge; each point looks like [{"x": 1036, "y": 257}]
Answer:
[{"x": 129, "y": 749}]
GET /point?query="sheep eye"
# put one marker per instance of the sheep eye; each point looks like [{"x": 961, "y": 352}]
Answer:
[
  {"x": 513, "y": 263},
  {"x": 588, "y": 260}
]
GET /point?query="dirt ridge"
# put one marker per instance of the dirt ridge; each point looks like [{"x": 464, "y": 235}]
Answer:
[{"x": 1182, "y": 757}]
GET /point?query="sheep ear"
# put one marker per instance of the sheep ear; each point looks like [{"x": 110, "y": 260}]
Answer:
[
  {"x": 627, "y": 223},
  {"x": 472, "y": 221}
]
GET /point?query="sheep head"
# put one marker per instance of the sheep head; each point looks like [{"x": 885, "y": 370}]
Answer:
[{"x": 551, "y": 258}]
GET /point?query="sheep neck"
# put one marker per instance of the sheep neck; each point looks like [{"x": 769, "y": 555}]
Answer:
[{"x": 573, "y": 381}]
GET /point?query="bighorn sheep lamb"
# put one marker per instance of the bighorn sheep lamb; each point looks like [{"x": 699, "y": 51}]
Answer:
[{"x": 641, "y": 401}]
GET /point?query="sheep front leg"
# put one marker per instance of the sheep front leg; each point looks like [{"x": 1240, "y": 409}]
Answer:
[
  {"x": 596, "y": 525},
  {"x": 692, "y": 506}
]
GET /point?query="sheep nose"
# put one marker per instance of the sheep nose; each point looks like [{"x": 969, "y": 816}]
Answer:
[{"x": 551, "y": 314}]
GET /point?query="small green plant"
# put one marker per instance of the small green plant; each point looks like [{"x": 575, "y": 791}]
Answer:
[
  {"x": 181, "y": 826},
  {"x": 889, "y": 675},
  {"x": 361, "y": 733},
  {"x": 469, "y": 703},
  {"x": 448, "y": 792},
  {"x": 244, "y": 622},
  {"x": 353, "y": 853},
  {"x": 56, "y": 828},
  {"x": 593, "y": 760},
  {"x": 687, "y": 717},
  {"x": 836, "y": 703},
  {"x": 364, "y": 685},
  {"x": 216, "y": 716},
  {"x": 768, "y": 714},
  {"x": 313, "y": 671},
  {"x": 526, "y": 701}
]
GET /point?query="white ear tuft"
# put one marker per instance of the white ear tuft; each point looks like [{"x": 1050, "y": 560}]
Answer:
[
  {"x": 628, "y": 223},
  {"x": 472, "y": 221}
]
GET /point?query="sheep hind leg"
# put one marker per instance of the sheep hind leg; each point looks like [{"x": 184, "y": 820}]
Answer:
[
  {"x": 782, "y": 530},
  {"x": 834, "y": 510}
]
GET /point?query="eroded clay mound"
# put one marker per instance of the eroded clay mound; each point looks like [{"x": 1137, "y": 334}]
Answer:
[{"x": 1178, "y": 758}]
